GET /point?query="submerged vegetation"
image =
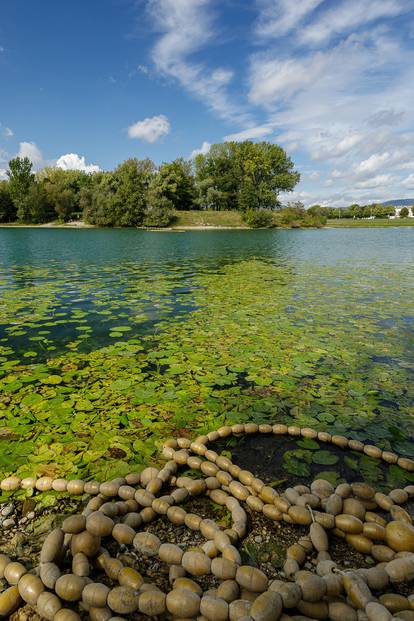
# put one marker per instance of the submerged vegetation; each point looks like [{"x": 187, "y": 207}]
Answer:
[{"x": 98, "y": 366}]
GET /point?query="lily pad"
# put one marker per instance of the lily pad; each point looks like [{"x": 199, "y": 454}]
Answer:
[{"x": 324, "y": 458}]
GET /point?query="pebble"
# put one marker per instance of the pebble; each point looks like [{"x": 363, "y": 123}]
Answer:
[{"x": 7, "y": 510}]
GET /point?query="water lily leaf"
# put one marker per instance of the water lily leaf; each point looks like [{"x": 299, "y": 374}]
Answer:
[
  {"x": 84, "y": 405},
  {"x": 53, "y": 379},
  {"x": 308, "y": 443},
  {"x": 325, "y": 458},
  {"x": 326, "y": 417},
  {"x": 121, "y": 384}
]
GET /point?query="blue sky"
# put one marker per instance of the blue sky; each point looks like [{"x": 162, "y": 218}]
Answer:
[{"x": 87, "y": 84}]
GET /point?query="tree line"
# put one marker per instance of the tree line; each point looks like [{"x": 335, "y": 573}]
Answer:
[
  {"x": 355, "y": 211},
  {"x": 242, "y": 176}
]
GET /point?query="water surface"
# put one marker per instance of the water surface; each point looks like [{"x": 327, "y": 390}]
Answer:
[{"x": 111, "y": 339}]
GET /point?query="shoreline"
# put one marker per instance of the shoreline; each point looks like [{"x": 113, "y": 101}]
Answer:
[{"x": 80, "y": 225}]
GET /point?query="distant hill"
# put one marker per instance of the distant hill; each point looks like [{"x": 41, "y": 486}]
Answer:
[{"x": 400, "y": 202}]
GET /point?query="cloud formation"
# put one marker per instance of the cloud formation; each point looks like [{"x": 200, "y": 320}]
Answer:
[
  {"x": 186, "y": 27},
  {"x": 150, "y": 129},
  {"x": 205, "y": 148},
  {"x": 32, "y": 151},
  {"x": 337, "y": 89},
  {"x": 73, "y": 161},
  {"x": 250, "y": 133}
]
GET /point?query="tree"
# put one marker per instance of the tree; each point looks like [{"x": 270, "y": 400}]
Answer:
[
  {"x": 7, "y": 209},
  {"x": 159, "y": 210},
  {"x": 315, "y": 210},
  {"x": 21, "y": 179},
  {"x": 97, "y": 201},
  {"x": 131, "y": 179},
  {"x": 63, "y": 188},
  {"x": 259, "y": 218},
  {"x": 243, "y": 175},
  {"x": 404, "y": 212},
  {"x": 37, "y": 207},
  {"x": 118, "y": 198},
  {"x": 176, "y": 183}
]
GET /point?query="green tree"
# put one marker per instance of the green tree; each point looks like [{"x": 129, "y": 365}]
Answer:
[
  {"x": 404, "y": 212},
  {"x": 118, "y": 198},
  {"x": 159, "y": 210},
  {"x": 7, "y": 209},
  {"x": 63, "y": 188},
  {"x": 259, "y": 218},
  {"x": 37, "y": 208},
  {"x": 21, "y": 179},
  {"x": 176, "y": 183},
  {"x": 97, "y": 201},
  {"x": 132, "y": 179},
  {"x": 243, "y": 175}
]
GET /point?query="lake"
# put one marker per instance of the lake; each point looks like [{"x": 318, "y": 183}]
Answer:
[{"x": 111, "y": 340}]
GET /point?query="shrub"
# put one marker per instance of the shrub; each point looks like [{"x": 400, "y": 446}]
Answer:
[
  {"x": 160, "y": 214},
  {"x": 259, "y": 218},
  {"x": 404, "y": 212}
]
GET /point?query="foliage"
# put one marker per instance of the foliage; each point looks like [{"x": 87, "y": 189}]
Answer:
[
  {"x": 404, "y": 212},
  {"x": 294, "y": 215},
  {"x": 21, "y": 179},
  {"x": 118, "y": 198},
  {"x": 159, "y": 210},
  {"x": 258, "y": 218},
  {"x": 37, "y": 207},
  {"x": 243, "y": 175},
  {"x": 175, "y": 181},
  {"x": 63, "y": 188},
  {"x": 355, "y": 211},
  {"x": 8, "y": 211}
]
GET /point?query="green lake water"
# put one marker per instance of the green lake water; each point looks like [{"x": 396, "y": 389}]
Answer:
[{"x": 111, "y": 340}]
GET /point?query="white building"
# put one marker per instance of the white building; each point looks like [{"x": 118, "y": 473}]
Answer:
[{"x": 398, "y": 210}]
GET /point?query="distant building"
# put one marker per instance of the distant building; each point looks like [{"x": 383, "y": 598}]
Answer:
[{"x": 398, "y": 210}]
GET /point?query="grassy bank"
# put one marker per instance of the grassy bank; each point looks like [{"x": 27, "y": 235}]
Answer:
[
  {"x": 378, "y": 222},
  {"x": 208, "y": 218}
]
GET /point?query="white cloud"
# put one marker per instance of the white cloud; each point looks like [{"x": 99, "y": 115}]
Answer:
[
  {"x": 377, "y": 181},
  {"x": 7, "y": 132},
  {"x": 331, "y": 149},
  {"x": 374, "y": 162},
  {"x": 350, "y": 15},
  {"x": 31, "y": 150},
  {"x": 73, "y": 161},
  {"x": 186, "y": 26},
  {"x": 248, "y": 134},
  {"x": 277, "y": 18},
  {"x": 3, "y": 173},
  {"x": 409, "y": 181},
  {"x": 407, "y": 165},
  {"x": 387, "y": 117},
  {"x": 150, "y": 129},
  {"x": 203, "y": 150},
  {"x": 291, "y": 147},
  {"x": 273, "y": 80}
]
